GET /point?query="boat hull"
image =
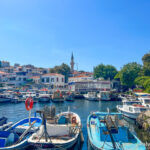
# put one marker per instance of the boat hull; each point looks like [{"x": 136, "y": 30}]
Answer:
[
  {"x": 129, "y": 115},
  {"x": 4, "y": 100},
  {"x": 57, "y": 100},
  {"x": 44, "y": 99},
  {"x": 54, "y": 146}
]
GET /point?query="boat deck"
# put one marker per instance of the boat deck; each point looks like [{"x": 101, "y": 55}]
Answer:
[{"x": 100, "y": 138}]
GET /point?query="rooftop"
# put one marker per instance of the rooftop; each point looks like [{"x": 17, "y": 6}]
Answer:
[{"x": 53, "y": 74}]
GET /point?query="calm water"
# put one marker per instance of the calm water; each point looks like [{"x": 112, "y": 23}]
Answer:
[{"x": 16, "y": 112}]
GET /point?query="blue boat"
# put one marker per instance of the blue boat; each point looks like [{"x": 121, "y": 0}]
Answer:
[
  {"x": 15, "y": 137},
  {"x": 3, "y": 120},
  {"x": 106, "y": 131}
]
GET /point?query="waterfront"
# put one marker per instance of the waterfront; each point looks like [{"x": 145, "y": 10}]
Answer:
[{"x": 16, "y": 112}]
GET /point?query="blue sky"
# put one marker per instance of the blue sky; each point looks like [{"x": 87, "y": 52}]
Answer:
[{"x": 45, "y": 32}]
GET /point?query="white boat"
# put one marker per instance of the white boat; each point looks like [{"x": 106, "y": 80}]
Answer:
[
  {"x": 131, "y": 109},
  {"x": 145, "y": 101},
  {"x": 44, "y": 96},
  {"x": 4, "y": 98},
  {"x": 104, "y": 95},
  {"x": 62, "y": 132},
  {"x": 92, "y": 96}
]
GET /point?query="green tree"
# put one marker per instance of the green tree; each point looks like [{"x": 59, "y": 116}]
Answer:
[
  {"x": 140, "y": 80},
  {"x": 105, "y": 71},
  {"x": 129, "y": 73},
  {"x": 63, "y": 69},
  {"x": 146, "y": 64}
]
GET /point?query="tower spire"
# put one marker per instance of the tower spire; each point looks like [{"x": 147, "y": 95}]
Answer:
[{"x": 72, "y": 63}]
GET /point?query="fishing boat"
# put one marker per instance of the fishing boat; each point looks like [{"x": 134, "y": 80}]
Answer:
[
  {"x": 15, "y": 137},
  {"x": 44, "y": 96},
  {"x": 106, "y": 131},
  {"x": 145, "y": 101},
  {"x": 69, "y": 97},
  {"x": 4, "y": 98},
  {"x": 131, "y": 109},
  {"x": 59, "y": 131},
  {"x": 91, "y": 96},
  {"x": 57, "y": 97},
  {"x": 104, "y": 95},
  {"x": 3, "y": 120}
]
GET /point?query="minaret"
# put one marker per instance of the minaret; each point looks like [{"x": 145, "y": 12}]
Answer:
[{"x": 72, "y": 63}]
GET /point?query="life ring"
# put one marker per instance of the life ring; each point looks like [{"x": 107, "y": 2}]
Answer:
[
  {"x": 74, "y": 120},
  {"x": 29, "y": 103}
]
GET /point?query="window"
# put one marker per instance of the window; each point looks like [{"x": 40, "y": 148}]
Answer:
[
  {"x": 42, "y": 79},
  {"x": 52, "y": 79},
  {"x": 62, "y": 79},
  {"x": 57, "y": 79},
  {"x": 47, "y": 80}
]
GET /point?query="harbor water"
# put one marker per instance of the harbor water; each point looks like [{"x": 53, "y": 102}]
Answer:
[{"x": 16, "y": 112}]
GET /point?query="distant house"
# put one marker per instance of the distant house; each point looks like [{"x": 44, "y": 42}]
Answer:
[
  {"x": 3, "y": 76},
  {"x": 53, "y": 79},
  {"x": 80, "y": 78},
  {"x": 88, "y": 86},
  {"x": 36, "y": 79},
  {"x": 4, "y": 64}
]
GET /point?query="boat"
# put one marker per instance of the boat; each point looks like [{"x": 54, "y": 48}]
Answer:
[
  {"x": 145, "y": 101},
  {"x": 4, "y": 98},
  {"x": 69, "y": 97},
  {"x": 57, "y": 131},
  {"x": 57, "y": 97},
  {"x": 131, "y": 109},
  {"x": 91, "y": 96},
  {"x": 44, "y": 96},
  {"x": 106, "y": 131},
  {"x": 15, "y": 137},
  {"x": 3, "y": 120},
  {"x": 104, "y": 95},
  {"x": 78, "y": 96}
]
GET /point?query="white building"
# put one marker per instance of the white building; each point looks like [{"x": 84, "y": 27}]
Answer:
[
  {"x": 54, "y": 79},
  {"x": 88, "y": 86},
  {"x": 3, "y": 76},
  {"x": 80, "y": 78},
  {"x": 36, "y": 79},
  {"x": 4, "y": 64}
]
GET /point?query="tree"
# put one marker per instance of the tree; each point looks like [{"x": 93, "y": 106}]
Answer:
[
  {"x": 129, "y": 73},
  {"x": 146, "y": 64},
  {"x": 105, "y": 71},
  {"x": 63, "y": 69},
  {"x": 140, "y": 80}
]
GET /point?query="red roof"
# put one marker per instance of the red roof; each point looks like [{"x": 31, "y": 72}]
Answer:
[
  {"x": 1, "y": 72},
  {"x": 53, "y": 74},
  {"x": 35, "y": 77},
  {"x": 80, "y": 76},
  {"x": 44, "y": 89}
]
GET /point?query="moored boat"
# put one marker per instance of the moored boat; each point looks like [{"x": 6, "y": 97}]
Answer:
[
  {"x": 69, "y": 97},
  {"x": 4, "y": 98},
  {"x": 131, "y": 109},
  {"x": 61, "y": 131},
  {"x": 15, "y": 137},
  {"x": 106, "y": 131},
  {"x": 104, "y": 95},
  {"x": 57, "y": 97},
  {"x": 44, "y": 95},
  {"x": 91, "y": 96}
]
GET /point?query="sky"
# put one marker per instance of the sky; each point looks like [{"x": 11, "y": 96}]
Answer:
[{"x": 46, "y": 32}]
